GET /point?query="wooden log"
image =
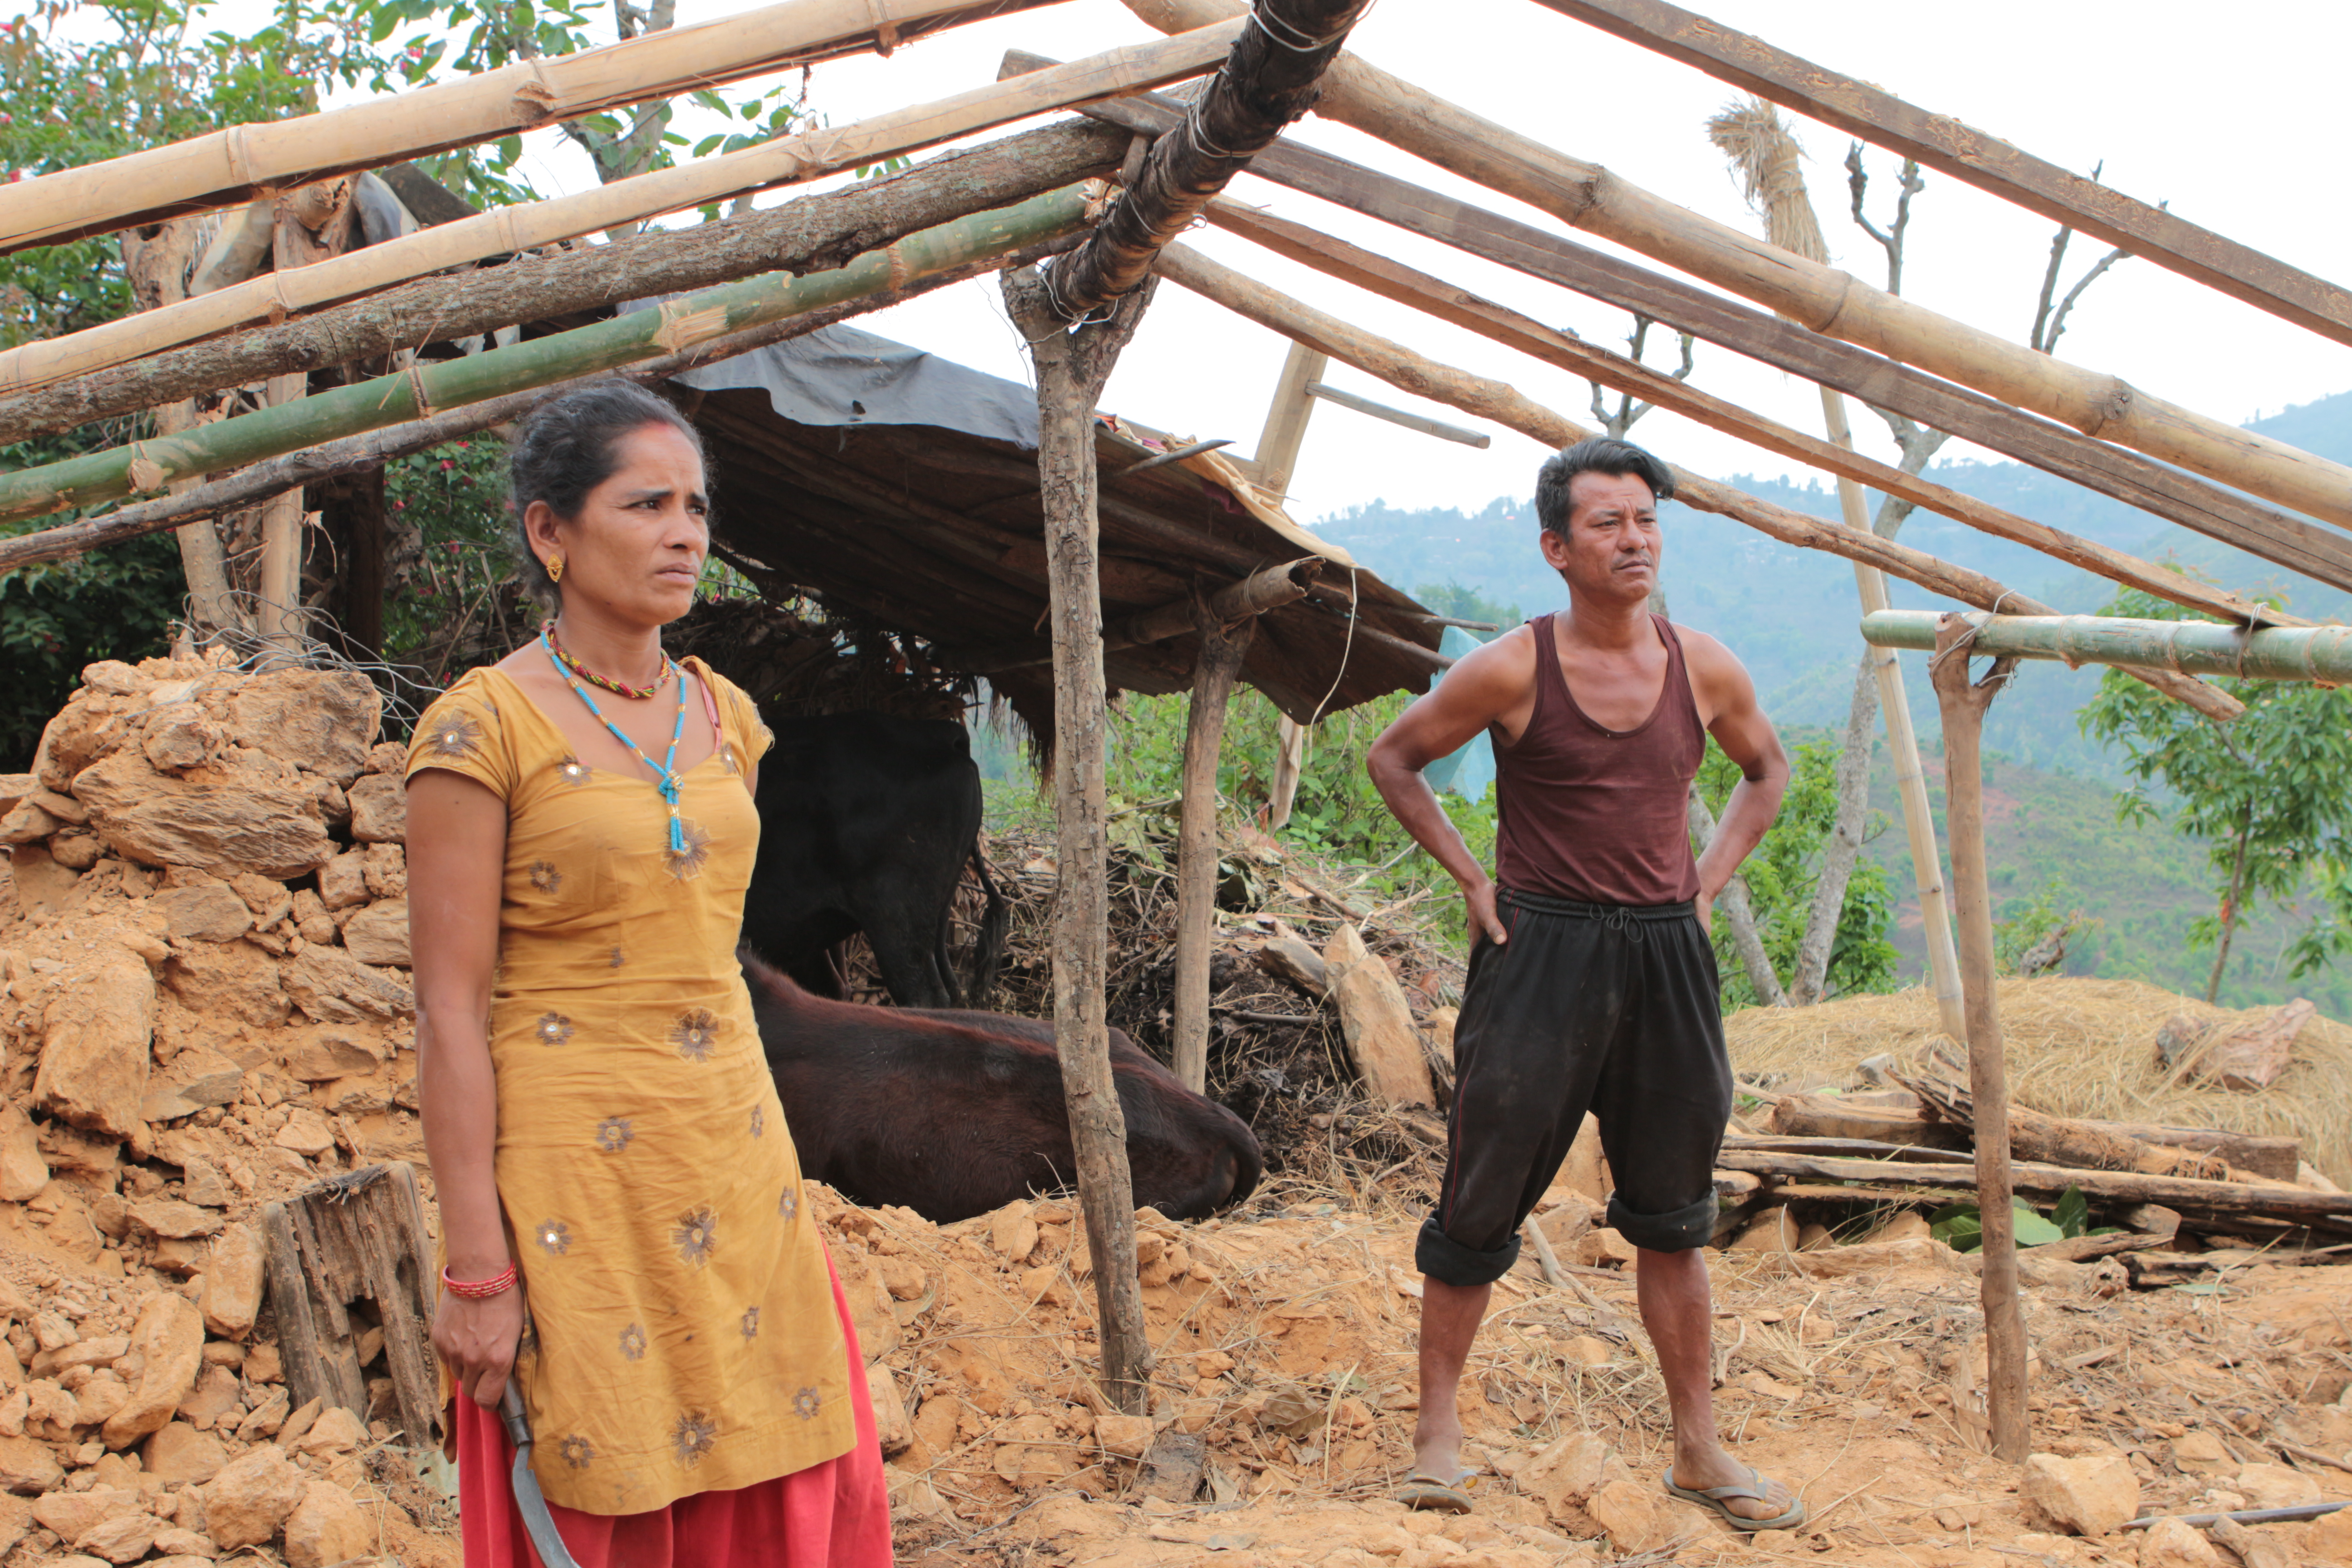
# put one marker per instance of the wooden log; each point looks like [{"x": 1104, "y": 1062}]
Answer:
[
  {"x": 811, "y": 234},
  {"x": 1940, "y": 142},
  {"x": 1399, "y": 417},
  {"x": 1214, "y": 668},
  {"x": 1071, "y": 368},
  {"x": 1377, "y": 1021},
  {"x": 357, "y": 1240},
  {"x": 1815, "y": 1116},
  {"x": 230, "y": 167},
  {"x": 2272, "y": 1158},
  {"x": 419, "y": 391},
  {"x": 1586, "y": 196},
  {"x": 1393, "y": 280},
  {"x": 2199, "y": 647},
  {"x": 1284, "y": 430},
  {"x": 785, "y": 161},
  {"x": 1269, "y": 78},
  {"x": 1254, "y": 595},
  {"x": 1963, "y": 704},
  {"x": 1506, "y": 406},
  {"x": 277, "y": 595}
]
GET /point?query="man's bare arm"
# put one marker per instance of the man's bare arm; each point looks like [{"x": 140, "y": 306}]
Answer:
[
  {"x": 1728, "y": 696},
  {"x": 1489, "y": 683}
]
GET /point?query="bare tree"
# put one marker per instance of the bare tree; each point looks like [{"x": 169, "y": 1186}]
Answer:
[{"x": 1615, "y": 422}]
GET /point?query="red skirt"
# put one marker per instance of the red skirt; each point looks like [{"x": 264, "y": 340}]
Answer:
[{"x": 834, "y": 1515}]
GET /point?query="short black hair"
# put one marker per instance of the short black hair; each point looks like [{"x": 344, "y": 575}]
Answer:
[
  {"x": 1595, "y": 455},
  {"x": 567, "y": 448}
]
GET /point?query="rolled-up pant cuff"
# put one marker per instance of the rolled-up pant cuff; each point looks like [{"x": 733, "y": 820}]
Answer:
[
  {"x": 1449, "y": 1262},
  {"x": 1677, "y": 1230}
]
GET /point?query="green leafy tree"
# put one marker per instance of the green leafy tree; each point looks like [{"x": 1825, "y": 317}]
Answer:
[
  {"x": 1783, "y": 870},
  {"x": 2265, "y": 793}
]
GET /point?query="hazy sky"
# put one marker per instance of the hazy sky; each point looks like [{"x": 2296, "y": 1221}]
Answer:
[{"x": 2238, "y": 127}]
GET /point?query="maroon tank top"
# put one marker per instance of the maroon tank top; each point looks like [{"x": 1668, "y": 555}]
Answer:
[{"x": 1597, "y": 816}]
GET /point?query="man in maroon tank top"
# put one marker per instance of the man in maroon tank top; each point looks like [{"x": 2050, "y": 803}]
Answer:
[{"x": 1593, "y": 985}]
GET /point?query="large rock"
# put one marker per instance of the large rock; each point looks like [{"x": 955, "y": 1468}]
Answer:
[
  {"x": 208, "y": 911},
  {"x": 169, "y": 1338},
  {"x": 327, "y": 1527},
  {"x": 233, "y": 1281},
  {"x": 179, "y": 737},
  {"x": 95, "y": 1034},
  {"x": 379, "y": 809},
  {"x": 334, "y": 987},
  {"x": 2170, "y": 1543},
  {"x": 173, "y": 1219},
  {"x": 892, "y": 1431},
  {"x": 28, "y": 1468},
  {"x": 2275, "y": 1485},
  {"x": 330, "y": 1054},
  {"x": 232, "y": 982},
  {"x": 23, "y": 1171},
  {"x": 324, "y": 720},
  {"x": 2090, "y": 1496},
  {"x": 379, "y": 933},
  {"x": 1565, "y": 1474},
  {"x": 41, "y": 881},
  {"x": 246, "y": 1504},
  {"x": 1634, "y": 1516},
  {"x": 123, "y": 1536},
  {"x": 179, "y": 1453},
  {"x": 193, "y": 1079},
  {"x": 219, "y": 818},
  {"x": 343, "y": 881},
  {"x": 2329, "y": 1538}
]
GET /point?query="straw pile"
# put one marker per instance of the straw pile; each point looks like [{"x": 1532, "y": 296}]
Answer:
[{"x": 2080, "y": 1047}]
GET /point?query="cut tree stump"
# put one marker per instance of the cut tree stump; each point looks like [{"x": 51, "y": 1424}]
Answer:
[
  {"x": 1377, "y": 1021},
  {"x": 357, "y": 1240}
]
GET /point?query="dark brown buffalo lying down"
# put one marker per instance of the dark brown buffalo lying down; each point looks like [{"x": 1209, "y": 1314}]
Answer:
[{"x": 954, "y": 1115}]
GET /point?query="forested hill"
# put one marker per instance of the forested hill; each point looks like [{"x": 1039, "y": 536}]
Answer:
[{"x": 1790, "y": 614}]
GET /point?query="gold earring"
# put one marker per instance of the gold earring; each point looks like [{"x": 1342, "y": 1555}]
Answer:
[{"x": 555, "y": 568}]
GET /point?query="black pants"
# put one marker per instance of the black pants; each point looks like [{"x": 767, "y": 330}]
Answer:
[{"x": 1587, "y": 1007}]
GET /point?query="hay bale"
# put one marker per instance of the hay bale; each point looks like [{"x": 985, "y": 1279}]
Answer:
[{"x": 2080, "y": 1047}]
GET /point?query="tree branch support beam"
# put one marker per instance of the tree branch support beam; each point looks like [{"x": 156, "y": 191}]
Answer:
[{"x": 1224, "y": 646}]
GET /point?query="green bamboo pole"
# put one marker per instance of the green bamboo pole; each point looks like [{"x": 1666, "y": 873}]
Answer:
[
  {"x": 2188, "y": 647},
  {"x": 429, "y": 389}
]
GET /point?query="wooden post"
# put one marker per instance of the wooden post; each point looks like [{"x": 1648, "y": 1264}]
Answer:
[
  {"x": 1289, "y": 761},
  {"x": 1071, "y": 370},
  {"x": 357, "y": 1238},
  {"x": 1220, "y": 662},
  {"x": 1284, "y": 430},
  {"x": 1964, "y": 705},
  {"x": 278, "y": 586}
]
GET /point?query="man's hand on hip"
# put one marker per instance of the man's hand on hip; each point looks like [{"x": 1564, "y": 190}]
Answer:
[{"x": 1484, "y": 919}]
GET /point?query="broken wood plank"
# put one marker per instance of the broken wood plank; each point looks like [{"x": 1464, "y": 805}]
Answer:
[
  {"x": 1377, "y": 1021},
  {"x": 1819, "y": 1116},
  {"x": 356, "y": 1241}
]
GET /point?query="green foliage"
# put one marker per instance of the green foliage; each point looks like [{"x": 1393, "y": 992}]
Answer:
[
  {"x": 1781, "y": 873},
  {"x": 454, "y": 496},
  {"x": 1960, "y": 1227},
  {"x": 1456, "y": 602},
  {"x": 2264, "y": 793},
  {"x": 2025, "y": 925}
]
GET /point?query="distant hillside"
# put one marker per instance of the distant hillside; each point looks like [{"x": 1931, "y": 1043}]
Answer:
[{"x": 1790, "y": 614}]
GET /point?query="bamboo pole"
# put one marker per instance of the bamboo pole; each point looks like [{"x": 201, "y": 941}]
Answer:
[
  {"x": 1416, "y": 423},
  {"x": 1254, "y": 595},
  {"x": 2291, "y": 541},
  {"x": 1213, "y": 672},
  {"x": 2322, "y": 654},
  {"x": 227, "y": 168},
  {"x": 1964, "y": 705},
  {"x": 1767, "y": 155},
  {"x": 787, "y": 160},
  {"x": 1506, "y": 406},
  {"x": 1071, "y": 368},
  {"x": 1269, "y": 78},
  {"x": 1949, "y": 146},
  {"x": 1828, "y": 302},
  {"x": 277, "y": 586},
  {"x": 1393, "y": 280},
  {"x": 370, "y": 451},
  {"x": 423, "y": 389}
]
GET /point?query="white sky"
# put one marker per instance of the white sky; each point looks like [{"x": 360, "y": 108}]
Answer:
[{"x": 2234, "y": 118}]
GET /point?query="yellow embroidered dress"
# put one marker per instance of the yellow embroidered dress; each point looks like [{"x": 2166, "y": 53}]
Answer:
[{"x": 685, "y": 1335}]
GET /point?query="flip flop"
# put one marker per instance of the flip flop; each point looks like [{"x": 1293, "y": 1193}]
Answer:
[
  {"x": 1716, "y": 1497},
  {"x": 1421, "y": 1489}
]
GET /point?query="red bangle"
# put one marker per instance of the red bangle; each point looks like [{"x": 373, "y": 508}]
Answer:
[{"x": 481, "y": 1289}]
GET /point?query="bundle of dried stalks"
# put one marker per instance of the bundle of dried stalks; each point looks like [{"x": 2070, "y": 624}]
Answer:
[{"x": 2080, "y": 1047}]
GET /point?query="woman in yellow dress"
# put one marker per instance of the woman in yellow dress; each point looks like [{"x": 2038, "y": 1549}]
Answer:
[{"x": 620, "y": 1209}]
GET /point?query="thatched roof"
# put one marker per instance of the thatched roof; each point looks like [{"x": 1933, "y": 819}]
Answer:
[{"x": 882, "y": 478}]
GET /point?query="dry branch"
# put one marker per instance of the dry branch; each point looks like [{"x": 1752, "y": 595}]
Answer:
[
  {"x": 232, "y": 166},
  {"x": 811, "y": 234},
  {"x": 1976, "y": 157},
  {"x": 1269, "y": 80},
  {"x": 1587, "y": 195},
  {"x": 1504, "y": 405},
  {"x": 292, "y": 290}
]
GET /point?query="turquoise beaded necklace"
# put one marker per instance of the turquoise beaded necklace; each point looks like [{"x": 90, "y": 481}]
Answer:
[{"x": 664, "y": 771}]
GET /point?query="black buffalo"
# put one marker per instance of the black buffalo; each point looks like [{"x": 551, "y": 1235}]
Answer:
[
  {"x": 865, "y": 823},
  {"x": 957, "y": 1113}
]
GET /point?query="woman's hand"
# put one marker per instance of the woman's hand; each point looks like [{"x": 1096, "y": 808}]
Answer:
[{"x": 477, "y": 1340}]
